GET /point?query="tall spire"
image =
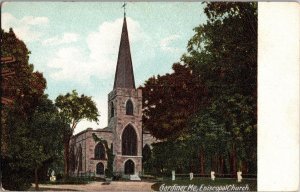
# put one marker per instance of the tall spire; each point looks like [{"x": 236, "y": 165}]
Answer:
[{"x": 124, "y": 77}]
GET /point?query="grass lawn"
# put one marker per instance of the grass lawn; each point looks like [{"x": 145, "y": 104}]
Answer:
[{"x": 206, "y": 184}]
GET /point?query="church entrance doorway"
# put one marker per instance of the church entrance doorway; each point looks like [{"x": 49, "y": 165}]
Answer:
[
  {"x": 129, "y": 167},
  {"x": 100, "y": 169}
]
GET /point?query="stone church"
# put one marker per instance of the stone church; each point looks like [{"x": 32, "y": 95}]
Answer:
[{"x": 124, "y": 131}]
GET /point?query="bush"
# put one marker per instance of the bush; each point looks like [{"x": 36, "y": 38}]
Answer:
[{"x": 16, "y": 180}]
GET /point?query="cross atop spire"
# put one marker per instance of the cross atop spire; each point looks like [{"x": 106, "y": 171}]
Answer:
[
  {"x": 124, "y": 77},
  {"x": 124, "y": 6}
]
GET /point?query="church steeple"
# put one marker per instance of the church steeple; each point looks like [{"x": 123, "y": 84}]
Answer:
[{"x": 124, "y": 77}]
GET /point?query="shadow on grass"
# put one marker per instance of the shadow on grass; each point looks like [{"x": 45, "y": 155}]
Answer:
[{"x": 205, "y": 182}]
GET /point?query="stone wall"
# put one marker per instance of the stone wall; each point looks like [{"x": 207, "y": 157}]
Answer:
[
  {"x": 85, "y": 139},
  {"x": 120, "y": 120},
  {"x": 113, "y": 134}
]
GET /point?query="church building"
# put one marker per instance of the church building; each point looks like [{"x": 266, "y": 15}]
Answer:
[{"x": 124, "y": 132}]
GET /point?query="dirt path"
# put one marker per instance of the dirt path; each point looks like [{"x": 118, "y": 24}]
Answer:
[{"x": 100, "y": 186}]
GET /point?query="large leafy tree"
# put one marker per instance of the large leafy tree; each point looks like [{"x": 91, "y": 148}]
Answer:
[
  {"x": 34, "y": 143},
  {"x": 25, "y": 88},
  {"x": 170, "y": 100},
  {"x": 225, "y": 133},
  {"x": 223, "y": 53},
  {"x": 46, "y": 125},
  {"x": 27, "y": 85},
  {"x": 74, "y": 108},
  {"x": 220, "y": 80}
]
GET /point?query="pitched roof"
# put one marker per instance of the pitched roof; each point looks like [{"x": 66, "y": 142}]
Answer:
[{"x": 124, "y": 77}]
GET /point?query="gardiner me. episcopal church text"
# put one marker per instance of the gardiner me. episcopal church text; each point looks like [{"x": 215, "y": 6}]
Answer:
[{"x": 124, "y": 131}]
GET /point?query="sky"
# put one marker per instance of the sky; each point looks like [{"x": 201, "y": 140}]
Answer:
[{"x": 75, "y": 44}]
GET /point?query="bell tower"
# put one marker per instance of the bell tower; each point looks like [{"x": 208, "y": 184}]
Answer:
[{"x": 125, "y": 113}]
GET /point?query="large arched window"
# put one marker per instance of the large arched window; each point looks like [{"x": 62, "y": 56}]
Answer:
[
  {"x": 129, "y": 141},
  {"x": 79, "y": 158},
  {"x": 112, "y": 110},
  {"x": 129, "y": 167},
  {"x": 99, "y": 151},
  {"x": 129, "y": 107},
  {"x": 100, "y": 169}
]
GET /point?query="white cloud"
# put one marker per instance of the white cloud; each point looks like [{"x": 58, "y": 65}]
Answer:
[
  {"x": 72, "y": 63},
  {"x": 25, "y": 28},
  {"x": 66, "y": 38},
  {"x": 165, "y": 43}
]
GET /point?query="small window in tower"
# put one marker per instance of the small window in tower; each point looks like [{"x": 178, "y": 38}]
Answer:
[
  {"x": 112, "y": 110},
  {"x": 129, "y": 107}
]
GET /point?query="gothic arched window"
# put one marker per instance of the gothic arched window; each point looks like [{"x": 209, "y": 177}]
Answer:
[
  {"x": 99, "y": 151},
  {"x": 129, "y": 167},
  {"x": 112, "y": 110},
  {"x": 129, "y": 107},
  {"x": 100, "y": 169},
  {"x": 129, "y": 141}
]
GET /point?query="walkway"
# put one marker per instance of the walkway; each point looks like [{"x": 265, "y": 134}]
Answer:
[{"x": 100, "y": 186}]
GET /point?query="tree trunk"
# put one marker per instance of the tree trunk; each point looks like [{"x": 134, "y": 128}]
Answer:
[
  {"x": 36, "y": 178},
  {"x": 215, "y": 160},
  {"x": 202, "y": 172},
  {"x": 216, "y": 163},
  {"x": 221, "y": 161},
  {"x": 234, "y": 161}
]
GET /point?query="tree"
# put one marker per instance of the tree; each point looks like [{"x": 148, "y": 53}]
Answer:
[
  {"x": 223, "y": 53},
  {"x": 46, "y": 125},
  {"x": 218, "y": 76},
  {"x": 169, "y": 101},
  {"x": 27, "y": 85},
  {"x": 74, "y": 108},
  {"x": 166, "y": 158},
  {"x": 36, "y": 142},
  {"x": 25, "y": 88}
]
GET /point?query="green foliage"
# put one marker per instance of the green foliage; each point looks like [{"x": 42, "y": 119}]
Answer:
[
  {"x": 21, "y": 150},
  {"x": 175, "y": 155},
  {"x": 223, "y": 52},
  {"x": 19, "y": 179},
  {"x": 75, "y": 108},
  {"x": 220, "y": 81},
  {"x": 33, "y": 142},
  {"x": 27, "y": 85},
  {"x": 47, "y": 125}
]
